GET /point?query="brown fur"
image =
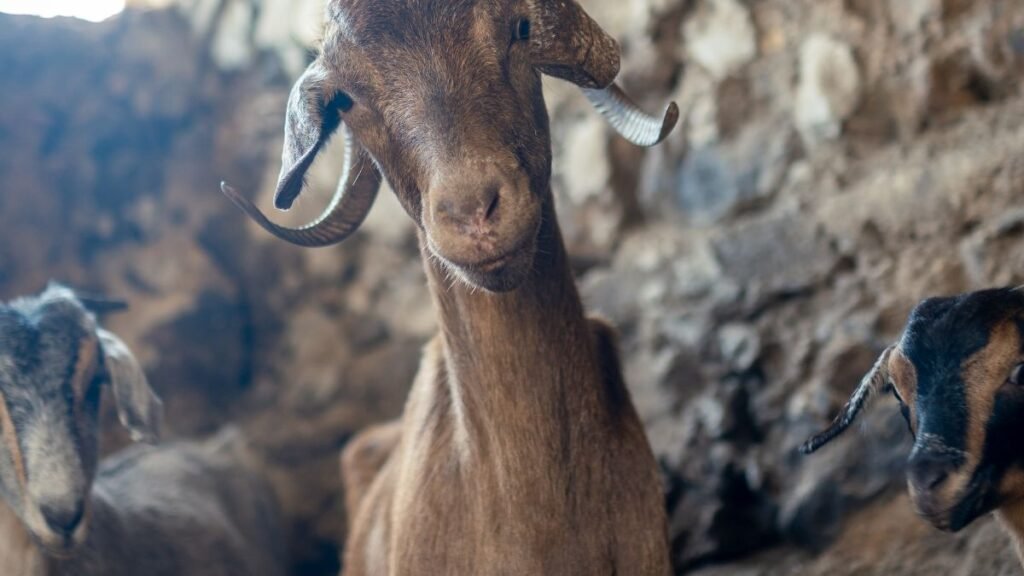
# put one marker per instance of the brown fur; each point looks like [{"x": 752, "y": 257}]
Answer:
[
  {"x": 363, "y": 458},
  {"x": 18, "y": 554},
  {"x": 984, "y": 373},
  {"x": 903, "y": 377},
  {"x": 10, "y": 437},
  {"x": 85, "y": 367},
  {"x": 1011, "y": 514},
  {"x": 521, "y": 451}
]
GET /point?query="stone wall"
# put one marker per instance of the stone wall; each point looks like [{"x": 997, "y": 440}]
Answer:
[{"x": 837, "y": 162}]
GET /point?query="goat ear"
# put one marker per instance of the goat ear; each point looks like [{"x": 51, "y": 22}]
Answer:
[
  {"x": 873, "y": 383},
  {"x": 569, "y": 44},
  {"x": 311, "y": 118},
  {"x": 138, "y": 408}
]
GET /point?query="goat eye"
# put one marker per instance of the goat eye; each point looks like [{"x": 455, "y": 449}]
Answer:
[
  {"x": 342, "y": 102},
  {"x": 522, "y": 29},
  {"x": 1016, "y": 374}
]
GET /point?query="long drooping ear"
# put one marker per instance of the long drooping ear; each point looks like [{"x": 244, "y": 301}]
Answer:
[
  {"x": 570, "y": 45},
  {"x": 138, "y": 407},
  {"x": 313, "y": 116},
  {"x": 873, "y": 382}
]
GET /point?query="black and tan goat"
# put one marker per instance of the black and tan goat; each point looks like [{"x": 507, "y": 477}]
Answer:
[
  {"x": 520, "y": 451},
  {"x": 175, "y": 510},
  {"x": 957, "y": 374}
]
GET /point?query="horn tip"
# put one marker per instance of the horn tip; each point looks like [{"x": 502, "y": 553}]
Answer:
[
  {"x": 239, "y": 200},
  {"x": 233, "y": 194},
  {"x": 808, "y": 447},
  {"x": 671, "y": 118},
  {"x": 672, "y": 111}
]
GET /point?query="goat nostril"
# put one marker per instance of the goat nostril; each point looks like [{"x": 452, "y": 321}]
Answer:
[
  {"x": 63, "y": 521},
  {"x": 938, "y": 478},
  {"x": 929, "y": 473},
  {"x": 492, "y": 207}
]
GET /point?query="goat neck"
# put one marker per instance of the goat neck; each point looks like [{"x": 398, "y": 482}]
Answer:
[{"x": 519, "y": 362}]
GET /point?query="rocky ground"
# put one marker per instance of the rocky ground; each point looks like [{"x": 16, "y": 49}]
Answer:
[{"x": 838, "y": 161}]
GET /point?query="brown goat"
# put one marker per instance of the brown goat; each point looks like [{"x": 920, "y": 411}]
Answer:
[
  {"x": 519, "y": 451},
  {"x": 958, "y": 375}
]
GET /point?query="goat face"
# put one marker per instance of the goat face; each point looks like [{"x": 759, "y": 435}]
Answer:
[
  {"x": 50, "y": 392},
  {"x": 444, "y": 99},
  {"x": 956, "y": 373},
  {"x": 53, "y": 362}
]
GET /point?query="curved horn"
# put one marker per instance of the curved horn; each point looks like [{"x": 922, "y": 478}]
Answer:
[
  {"x": 629, "y": 120},
  {"x": 569, "y": 44},
  {"x": 352, "y": 201},
  {"x": 873, "y": 382}
]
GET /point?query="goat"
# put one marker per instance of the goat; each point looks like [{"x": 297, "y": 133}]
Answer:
[
  {"x": 519, "y": 450},
  {"x": 956, "y": 373},
  {"x": 179, "y": 509}
]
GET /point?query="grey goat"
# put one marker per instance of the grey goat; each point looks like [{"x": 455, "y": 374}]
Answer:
[{"x": 183, "y": 508}]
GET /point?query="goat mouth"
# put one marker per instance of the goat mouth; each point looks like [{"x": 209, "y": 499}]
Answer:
[
  {"x": 490, "y": 264},
  {"x": 496, "y": 263},
  {"x": 500, "y": 273},
  {"x": 58, "y": 547},
  {"x": 973, "y": 502}
]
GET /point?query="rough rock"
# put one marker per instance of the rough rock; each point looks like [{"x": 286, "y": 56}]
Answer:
[
  {"x": 828, "y": 91},
  {"x": 720, "y": 37}
]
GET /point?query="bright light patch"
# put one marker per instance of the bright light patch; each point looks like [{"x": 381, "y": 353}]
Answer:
[{"x": 92, "y": 10}]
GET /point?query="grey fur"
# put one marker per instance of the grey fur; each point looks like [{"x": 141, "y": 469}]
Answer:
[{"x": 195, "y": 509}]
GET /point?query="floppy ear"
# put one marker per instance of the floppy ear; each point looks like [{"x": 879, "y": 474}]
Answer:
[
  {"x": 313, "y": 116},
  {"x": 310, "y": 120},
  {"x": 138, "y": 407},
  {"x": 569, "y": 44},
  {"x": 875, "y": 381}
]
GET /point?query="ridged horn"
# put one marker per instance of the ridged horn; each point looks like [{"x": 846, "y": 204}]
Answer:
[
  {"x": 352, "y": 201},
  {"x": 629, "y": 120}
]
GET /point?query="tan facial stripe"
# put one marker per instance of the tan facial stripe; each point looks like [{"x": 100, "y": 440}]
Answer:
[
  {"x": 983, "y": 374},
  {"x": 1012, "y": 485},
  {"x": 84, "y": 367},
  {"x": 904, "y": 379},
  {"x": 11, "y": 438}
]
